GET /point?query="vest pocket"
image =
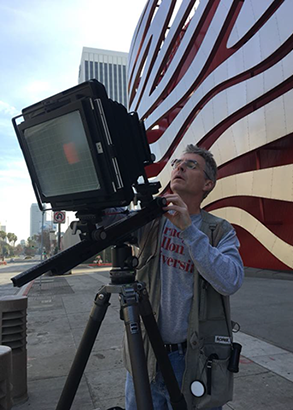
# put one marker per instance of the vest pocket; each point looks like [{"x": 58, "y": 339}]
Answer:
[{"x": 213, "y": 373}]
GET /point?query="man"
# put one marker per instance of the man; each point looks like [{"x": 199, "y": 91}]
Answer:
[{"x": 190, "y": 263}]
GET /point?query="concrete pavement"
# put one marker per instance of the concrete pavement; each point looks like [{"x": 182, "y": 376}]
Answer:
[{"x": 58, "y": 310}]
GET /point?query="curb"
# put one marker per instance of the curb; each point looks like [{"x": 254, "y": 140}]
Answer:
[
  {"x": 98, "y": 265},
  {"x": 24, "y": 290}
]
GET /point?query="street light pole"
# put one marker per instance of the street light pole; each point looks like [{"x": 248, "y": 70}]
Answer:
[
  {"x": 42, "y": 242},
  {"x": 42, "y": 233}
]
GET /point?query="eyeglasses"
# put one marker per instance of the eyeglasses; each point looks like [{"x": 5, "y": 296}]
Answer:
[{"x": 188, "y": 163}]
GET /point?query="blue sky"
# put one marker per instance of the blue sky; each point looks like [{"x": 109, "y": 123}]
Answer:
[{"x": 40, "y": 50}]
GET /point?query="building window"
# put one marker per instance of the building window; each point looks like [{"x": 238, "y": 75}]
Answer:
[
  {"x": 124, "y": 85},
  {"x": 106, "y": 75},
  {"x": 115, "y": 83},
  {"x": 120, "y": 83},
  {"x": 86, "y": 68},
  {"x": 96, "y": 71},
  {"x": 91, "y": 70},
  {"x": 111, "y": 80},
  {"x": 101, "y": 73}
]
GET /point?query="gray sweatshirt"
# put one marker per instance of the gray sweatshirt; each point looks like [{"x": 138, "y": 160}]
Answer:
[{"x": 181, "y": 251}]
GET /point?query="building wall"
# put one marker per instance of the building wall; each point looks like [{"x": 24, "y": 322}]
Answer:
[
  {"x": 108, "y": 67},
  {"x": 219, "y": 74}
]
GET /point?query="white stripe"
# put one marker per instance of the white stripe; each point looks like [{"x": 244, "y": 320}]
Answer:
[{"x": 279, "y": 248}]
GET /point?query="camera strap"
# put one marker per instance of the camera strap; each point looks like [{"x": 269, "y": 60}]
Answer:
[{"x": 205, "y": 285}]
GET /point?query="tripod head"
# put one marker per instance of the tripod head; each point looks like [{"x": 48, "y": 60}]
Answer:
[{"x": 124, "y": 265}]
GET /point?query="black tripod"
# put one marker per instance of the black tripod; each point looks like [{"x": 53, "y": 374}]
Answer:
[
  {"x": 134, "y": 303},
  {"x": 133, "y": 298}
]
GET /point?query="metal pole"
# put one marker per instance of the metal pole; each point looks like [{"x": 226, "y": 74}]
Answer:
[
  {"x": 42, "y": 243},
  {"x": 59, "y": 237}
]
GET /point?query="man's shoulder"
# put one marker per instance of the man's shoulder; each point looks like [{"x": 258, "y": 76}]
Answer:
[
  {"x": 208, "y": 216},
  {"x": 215, "y": 222}
]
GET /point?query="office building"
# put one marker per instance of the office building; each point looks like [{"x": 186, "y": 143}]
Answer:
[
  {"x": 108, "y": 67},
  {"x": 35, "y": 220}
]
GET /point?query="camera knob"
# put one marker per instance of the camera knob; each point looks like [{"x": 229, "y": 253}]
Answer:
[{"x": 132, "y": 262}]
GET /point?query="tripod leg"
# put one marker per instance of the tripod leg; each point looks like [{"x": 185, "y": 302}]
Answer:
[
  {"x": 176, "y": 397},
  {"x": 83, "y": 352},
  {"x": 129, "y": 306}
]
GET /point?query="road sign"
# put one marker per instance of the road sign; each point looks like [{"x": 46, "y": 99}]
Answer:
[{"x": 59, "y": 217}]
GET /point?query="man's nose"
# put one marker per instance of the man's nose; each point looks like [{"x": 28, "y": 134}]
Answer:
[{"x": 181, "y": 166}]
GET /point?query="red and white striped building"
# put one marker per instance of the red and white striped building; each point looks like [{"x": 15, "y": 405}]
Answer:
[{"x": 219, "y": 74}]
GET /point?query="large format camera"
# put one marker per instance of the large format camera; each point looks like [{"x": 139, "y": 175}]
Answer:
[{"x": 84, "y": 152}]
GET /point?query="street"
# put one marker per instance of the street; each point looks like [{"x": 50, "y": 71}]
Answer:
[
  {"x": 263, "y": 308},
  {"x": 10, "y": 270}
]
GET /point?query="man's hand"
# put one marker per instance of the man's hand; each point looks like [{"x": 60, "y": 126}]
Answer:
[{"x": 179, "y": 216}]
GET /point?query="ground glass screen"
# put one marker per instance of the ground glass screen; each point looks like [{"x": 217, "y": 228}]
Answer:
[{"x": 61, "y": 156}]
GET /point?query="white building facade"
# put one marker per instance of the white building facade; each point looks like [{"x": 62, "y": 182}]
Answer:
[{"x": 108, "y": 67}]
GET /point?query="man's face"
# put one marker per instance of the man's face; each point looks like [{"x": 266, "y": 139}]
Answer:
[{"x": 186, "y": 181}]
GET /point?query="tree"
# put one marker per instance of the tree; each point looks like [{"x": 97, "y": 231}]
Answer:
[
  {"x": 46, "y": 241},
  {"x": 11, "y": 238},
  {"x": 18, "y": 250},
  {"x": 2, "y": 244},
  {"x": 3, "y": 235},
  {"x": 31, "y": 247},
  {"x": 5, "y": 249}
]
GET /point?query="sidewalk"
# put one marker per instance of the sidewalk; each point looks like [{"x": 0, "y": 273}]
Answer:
[{"x": 58, "y": 310}]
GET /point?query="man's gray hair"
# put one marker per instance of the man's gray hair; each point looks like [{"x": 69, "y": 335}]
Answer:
[{"x": 210, "y": 163}]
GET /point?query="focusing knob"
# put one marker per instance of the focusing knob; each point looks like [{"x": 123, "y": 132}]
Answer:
[
  {"x": 131, "y": 262},
  {"x": 99, "y": 234},
  {"x": 103, "y": 235}
]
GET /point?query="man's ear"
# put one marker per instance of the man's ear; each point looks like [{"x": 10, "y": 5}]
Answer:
[{"x": 208, "y": 186}]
